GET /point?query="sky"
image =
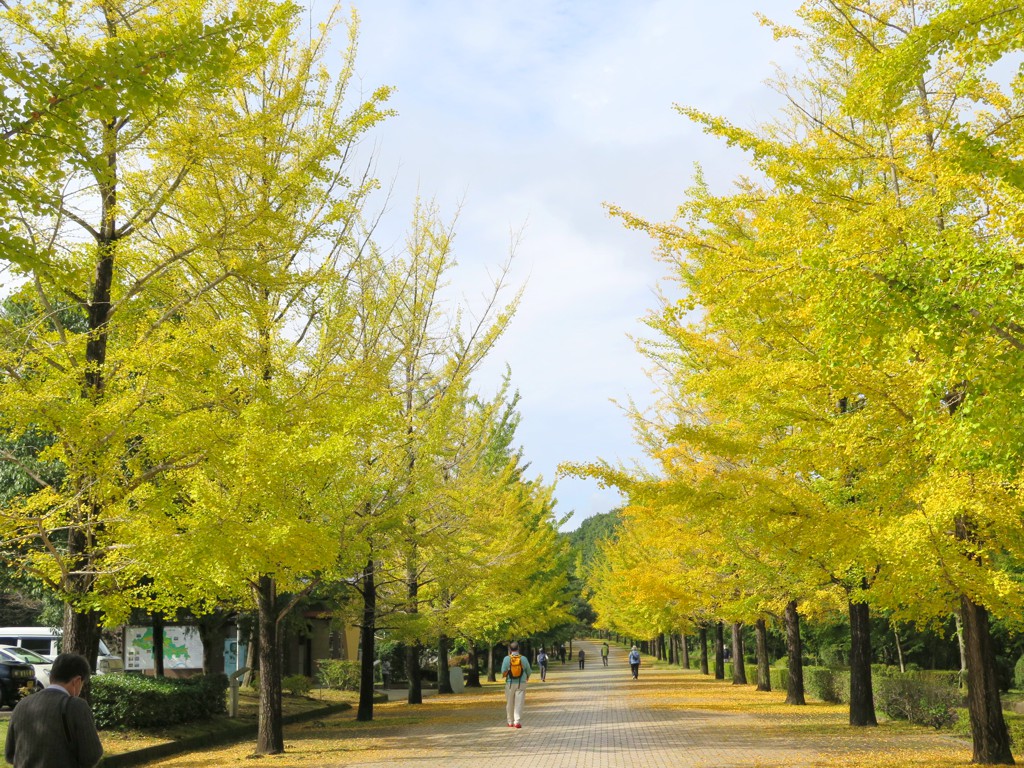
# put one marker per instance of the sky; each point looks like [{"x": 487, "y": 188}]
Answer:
[{"x": 526, "y": 118}]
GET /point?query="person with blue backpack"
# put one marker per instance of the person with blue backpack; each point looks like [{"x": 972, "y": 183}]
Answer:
[
  {"x": 634, "y": 662},
  {"x": 516, "y": 671}
]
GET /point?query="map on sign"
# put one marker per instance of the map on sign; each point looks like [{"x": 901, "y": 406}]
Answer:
[{"x": 183, "y": 648}]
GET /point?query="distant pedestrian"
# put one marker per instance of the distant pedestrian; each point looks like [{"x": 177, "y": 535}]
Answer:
[
  {"x": 582, "y": 656},
  {"x": 634, "y": 662},
  {"x": 54, "y": 727},
  {"x": 561, "y": 653},
  {"x": 604, "y": 654},
  {"x": 516, "y": 671},
  {"x": 542, "y": 662}
]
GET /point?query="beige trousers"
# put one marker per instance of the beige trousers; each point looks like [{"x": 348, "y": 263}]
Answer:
[{"x": 515, "y": 693}]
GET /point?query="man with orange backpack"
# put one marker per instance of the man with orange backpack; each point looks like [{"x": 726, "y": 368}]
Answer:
[{"x": 516, "y": 671}]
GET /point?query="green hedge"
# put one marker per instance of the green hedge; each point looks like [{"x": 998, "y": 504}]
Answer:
[
  {"x": 338, "y": 674},
  {"x": 297, "y": 685},
  {"x": 921, "y": 699},
  {"x": 750, "y": 669},
  {"x": 921, "y": 696},
  {"x": 779, "y": 678},
  {"x": 134, "y": 701},
  {"x": 825, "y": 684}
]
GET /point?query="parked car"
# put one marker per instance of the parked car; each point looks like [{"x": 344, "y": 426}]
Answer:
[
  {"x": 46, "y": 642},
  {"x": 40, "y": 664},
  {"x": 15, "y": 678}
]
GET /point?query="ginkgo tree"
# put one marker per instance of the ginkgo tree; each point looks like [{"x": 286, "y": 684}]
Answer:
[
  {"x": 93, "y": 89},
  {"x": 217, "y": 320},
  {"x": 857, "y": 311}
]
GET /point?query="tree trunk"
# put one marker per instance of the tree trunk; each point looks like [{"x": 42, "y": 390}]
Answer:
[
  {"x": 963, "y": 649},
  {"x": 862, "y": 701},
  {"x": 252, "y": 653},
  {"x": 719, "y": 651},
  {"x": 795, "y": 683},
  {"x": 211, "y": 633},
  {"x": 704, "y": 650},
  {"x": 412, "y": 651},
  {"x": 270, "y": 736},
  {"x": 158, "y": 644},
  {"x": 899, "y": 648},
  {"x": 103, "y": 278},
  {"x": 988, "y": 728},
  {"x": 444, "y": 682},
  {"x": 81, "y": 634},
  {"x": 413, "y": 672},
  {"x": 367, "y": 642},
  {"x": 764, "y": 677},
  {"x": 739, "y": 669},
  {"x": 685, "y": 650},
  {"x": 473, "y": 673},
  {"x": 491, "y": 674},
  {"x": 673, "y": 649}
]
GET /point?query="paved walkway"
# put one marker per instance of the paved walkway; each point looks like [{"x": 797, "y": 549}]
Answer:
[
  {"x": 601, "y": 718},
  {"x": 595, "y": 718}
]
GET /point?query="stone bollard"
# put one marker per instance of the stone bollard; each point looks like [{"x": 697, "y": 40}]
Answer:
[{"x": 233, "y": 679}]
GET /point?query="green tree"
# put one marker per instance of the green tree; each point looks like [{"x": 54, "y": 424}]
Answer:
[{"x": 94, "y": 90}]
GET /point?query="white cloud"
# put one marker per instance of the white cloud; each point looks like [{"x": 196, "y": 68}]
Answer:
[{"x": 533, "y": 114}]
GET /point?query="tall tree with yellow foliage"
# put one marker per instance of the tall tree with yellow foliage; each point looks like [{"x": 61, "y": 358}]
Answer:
[
  {"x": 93, "y": 91},
  {"x": 858, "y": 318}
]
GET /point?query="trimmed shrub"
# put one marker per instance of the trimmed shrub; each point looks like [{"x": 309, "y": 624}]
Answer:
[
  {"x": 915, "y": 698},
  {"x": 841, "y": 680},
  {"x": 823, "y": 684},
  {"x": 749, "y": 669},
  {"x": 134, "y": 701},
  {"x": 882, "y": 669},
  {"x": 829, "y": 685},
  {"x": 779, "y": 678},
  {"x": 338, "y": 674},
  {"x": 948, "y": 677},
  {"x": 297, "y": 685}
]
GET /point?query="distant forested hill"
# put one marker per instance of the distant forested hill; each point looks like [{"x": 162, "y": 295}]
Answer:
[{"x": 591, "y": 532}]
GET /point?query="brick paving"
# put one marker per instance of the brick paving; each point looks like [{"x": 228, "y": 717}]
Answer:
[
  {"x": 601, "y": 718},
  {"x": 594, "y": 718}
]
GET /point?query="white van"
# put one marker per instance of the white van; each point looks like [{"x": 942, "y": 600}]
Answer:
[{"x": 46, "y": 642}]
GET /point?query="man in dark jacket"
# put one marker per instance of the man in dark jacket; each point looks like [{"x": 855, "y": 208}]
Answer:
[{"x": 54, "y": 728}]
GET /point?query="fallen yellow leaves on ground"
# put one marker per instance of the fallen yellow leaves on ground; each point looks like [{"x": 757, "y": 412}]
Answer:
[{"x": 452, "y": 724}]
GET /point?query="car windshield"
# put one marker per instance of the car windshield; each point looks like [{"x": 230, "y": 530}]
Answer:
[{"x": 24, "y": 654}]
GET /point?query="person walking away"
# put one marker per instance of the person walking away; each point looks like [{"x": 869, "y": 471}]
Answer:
[
  {"x": 54, "y": 727},
  {"x": 542, "y": 662},
  {"x": 581, "y": 657},
  {"x": 604, "y": 654},
  {"x": 516, "y": 671},
  {"x": 561, "y": 653},
  {"x": 634, "y": 662}
]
